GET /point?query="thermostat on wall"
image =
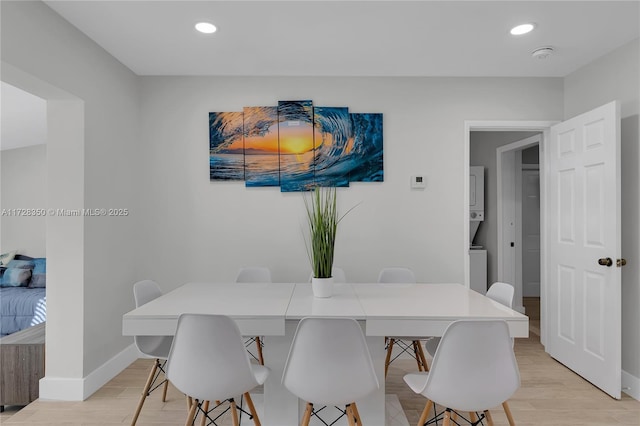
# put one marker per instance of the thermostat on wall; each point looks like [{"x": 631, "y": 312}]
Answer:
[{"x": 418, "y": 182}]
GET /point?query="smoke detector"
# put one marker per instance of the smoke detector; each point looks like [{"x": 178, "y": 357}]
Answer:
[{"x": 542, "y": 52}]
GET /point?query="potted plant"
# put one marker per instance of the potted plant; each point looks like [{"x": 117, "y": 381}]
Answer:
[{"x": 323, "y": 219}]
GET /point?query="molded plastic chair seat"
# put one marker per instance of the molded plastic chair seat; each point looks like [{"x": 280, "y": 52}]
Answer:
[
  {"x": 503, "y": 294},
  {"x": 329, "y": 364},
  {"x": 402, "y": 276},
  {"x": 396, "y": 275},
  {"x": 208, "y": 362},
  {"x": 499, "y": 291},
  {"x": 416, "y": 381},
  {"x": 155, "y": 347},
  {"x": 474, "y": 369},
  {"x": 254, "y": 274},
  {"x": 431, "y": 345}
]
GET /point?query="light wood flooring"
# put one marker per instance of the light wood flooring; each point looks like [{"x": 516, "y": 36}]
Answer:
[{"x": 550, "y": 395}]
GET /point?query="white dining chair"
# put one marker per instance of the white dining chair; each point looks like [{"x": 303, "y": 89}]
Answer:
[
  {"x": 154, "y": 347},
  {"x": 396, "y": 275},
  {"x": 474, "y": 369},
  {"x": 329, "y": 364},
  {"x": 399, "y": 276},
  {"x": 254, "y": 274},
  {"x": 502, "y": 293},
  {"x": 208, "y": 362},
  {"x": 499, "y": 291}
]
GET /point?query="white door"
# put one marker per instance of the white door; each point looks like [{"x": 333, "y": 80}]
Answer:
[
  {"x": 530, "y": 233},
  {"x": 583, "y": 228}
]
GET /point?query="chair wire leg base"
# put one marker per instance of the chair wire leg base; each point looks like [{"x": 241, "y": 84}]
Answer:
[
  {"x": 150, "y": 386},
  {"x": 350, "y": 410},
  {"x": 414, "y": 349},
  {"x": 165, "y": 382},
  {"x": 207, "y": 413},
  {"x": 259, "y": 342},
  {"x": 452, "y": 417}
]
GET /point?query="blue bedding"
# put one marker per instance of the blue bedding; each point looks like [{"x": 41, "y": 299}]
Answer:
[{"x": 21, "y": 307}]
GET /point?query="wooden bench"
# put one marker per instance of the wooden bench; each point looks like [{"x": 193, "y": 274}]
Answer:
[{"x": 21, "y": 366}]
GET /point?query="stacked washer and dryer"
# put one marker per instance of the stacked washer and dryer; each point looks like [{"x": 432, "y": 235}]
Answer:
[{"x": 477, "y": 254}]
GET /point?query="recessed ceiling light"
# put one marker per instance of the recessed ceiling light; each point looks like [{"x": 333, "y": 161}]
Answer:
[
  {"x": 206, "y": 27},
  {"x": 522, "y": 29}
]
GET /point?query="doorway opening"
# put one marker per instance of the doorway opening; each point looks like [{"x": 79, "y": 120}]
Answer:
[
  {"x": 511, "y": 153},
  {"x": 64, "y": 236},
  {"x": 518, "y": 219}
]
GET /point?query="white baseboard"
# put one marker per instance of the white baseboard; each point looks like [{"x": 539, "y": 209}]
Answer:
[
  {"x": 63, "y": 389},
  {"x": 631, "y": 385}
]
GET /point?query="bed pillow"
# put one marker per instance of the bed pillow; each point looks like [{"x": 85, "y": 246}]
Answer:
[
  {"x": 16, "y": 277},
  {"x": 39, "y": 273},
  {"x": 22, "y": 257},
  {"x": 5, "y": 258},
  {"x": 21, "y": 264}
]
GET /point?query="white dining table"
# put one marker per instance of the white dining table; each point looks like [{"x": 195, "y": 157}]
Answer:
[{"x": 274, "y": 310}]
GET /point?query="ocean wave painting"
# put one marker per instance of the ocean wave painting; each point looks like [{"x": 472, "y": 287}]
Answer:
[
  {"x": 226, "y": 166},
  {"x": 296, "y": 146},
  {"x": 226, "y": 146},
  {"x": 295, "y": 124},
  {"x": 261, "y": 146}
]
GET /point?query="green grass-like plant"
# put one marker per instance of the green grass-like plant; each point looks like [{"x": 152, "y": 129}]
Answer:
[{"x": 323, "y": 219}]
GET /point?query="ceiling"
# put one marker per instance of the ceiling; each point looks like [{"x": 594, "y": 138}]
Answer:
[
  {"x": 334, "y": 38},
  {"x": 353, "y": 38}
]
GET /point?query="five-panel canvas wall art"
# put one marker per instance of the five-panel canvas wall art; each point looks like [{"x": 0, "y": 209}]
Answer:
[{"x": 296, "y": 146}]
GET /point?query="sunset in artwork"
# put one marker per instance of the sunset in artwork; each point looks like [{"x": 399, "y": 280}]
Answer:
[
  {"x": 267, "y": 144},
  {"x": 236, "y": 146},
  {"x": 295, "y": 137}
]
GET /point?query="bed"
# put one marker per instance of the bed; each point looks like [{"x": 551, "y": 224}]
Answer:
[
  {"x": 23, "y": 300},
  {"x": 21, "y": 307}
]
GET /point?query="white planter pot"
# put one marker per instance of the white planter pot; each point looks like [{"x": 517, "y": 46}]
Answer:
[{"x": 322, "y": 287}]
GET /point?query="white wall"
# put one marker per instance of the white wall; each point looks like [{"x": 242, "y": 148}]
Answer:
[
  {"x": 93, "y": 157},
  {"x": 23, "y": 186},
  {"x": 202, "y": 230},
  {"x": 616, "y": 76}
]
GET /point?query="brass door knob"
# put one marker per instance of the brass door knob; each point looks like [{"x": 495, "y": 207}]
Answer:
[
  {"x": 621, "y": 262},
  {"x": 605, "y": 261}
]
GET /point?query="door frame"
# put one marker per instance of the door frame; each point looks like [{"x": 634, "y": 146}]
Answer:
[
  {"x": 508, "y": 125},
  {"x": 512, "y": 174}
]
